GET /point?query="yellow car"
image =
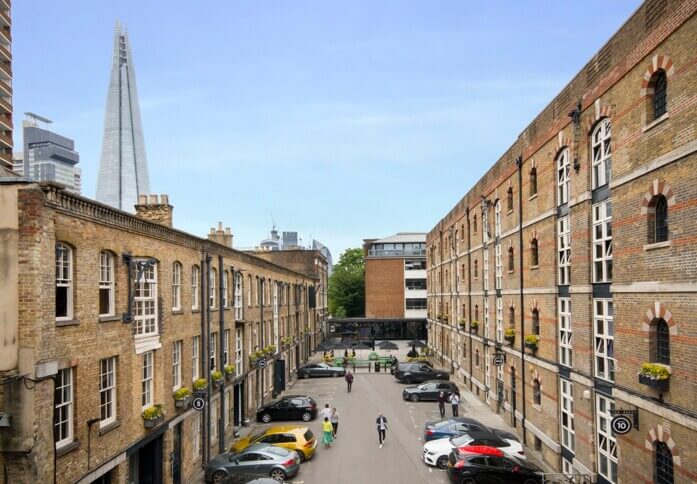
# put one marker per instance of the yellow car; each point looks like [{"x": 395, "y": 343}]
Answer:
[{"x": 291, "y": 437}]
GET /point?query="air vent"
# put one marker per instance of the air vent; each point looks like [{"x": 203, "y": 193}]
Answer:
[
  {"x": 531, "y": 132},
  {"x": 653, "y": 13},
  {"x": 601, "y": 62}
]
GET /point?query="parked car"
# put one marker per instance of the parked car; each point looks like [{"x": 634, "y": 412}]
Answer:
[
  {"x": 454, "y": 426},
  {"x": 417, "y": 373},
  {"x": 396, "y": 364},
  {"x": 436, "y": 452},
  {"x": 290, "y": 407},
  {"x": 429, "y": 390},
  {"x": 320, "y": 369},
  {"x": 474, "y": 465},
  {"x": 256, "y": 460},
  {"x": 291, "y": 437}
]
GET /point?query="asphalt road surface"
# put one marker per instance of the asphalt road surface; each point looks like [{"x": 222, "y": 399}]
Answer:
[{"x": 355, "y": 456}]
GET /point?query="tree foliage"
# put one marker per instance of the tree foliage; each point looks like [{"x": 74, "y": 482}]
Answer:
[{"x": 347, "y": 285}]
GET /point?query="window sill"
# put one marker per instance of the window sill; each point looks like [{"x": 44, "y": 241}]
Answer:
[
  {"x": 655, "y": 122},
  {"x": 195, "y": 310},
  {"x": 109, "y": 318},
  {"x": 177, "y": 311},
  {"x": 511, "y": 272},
  {"x": 109, "y": 427},
  {"x": 657, "y": 245},
  {"x": 67, "y": 322},
  {"x": 537, "y": 407},
  {"x": 509, "y": 212},
  {"x": 534, "y": 268},
  {"x": 532, "y": 197},
  {"x": 147, "y": 343},
  {"x": 67, "y": 448}
]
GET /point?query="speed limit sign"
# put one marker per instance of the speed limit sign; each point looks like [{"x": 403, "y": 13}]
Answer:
[{"x": 621, "y": 424}]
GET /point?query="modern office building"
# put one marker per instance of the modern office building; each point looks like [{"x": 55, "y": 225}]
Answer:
[
  {"x": 47, "y": 156},
  {"x": 123, "y": 167},
  {"x": 6, "y": 125},
  {"x": 395, "y": 276},
  {"x": 562, "y": 287}
]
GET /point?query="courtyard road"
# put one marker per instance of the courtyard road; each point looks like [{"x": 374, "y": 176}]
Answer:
[{"x": 355, "y": 456}]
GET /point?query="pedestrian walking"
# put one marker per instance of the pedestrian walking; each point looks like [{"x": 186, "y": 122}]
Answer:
[
  {"x": 327, "y": 430},
  {"x": 441, "y": 404},
  {"x": 349, "y": 380},
  {"x": 334, "y": 419},
  {"x": 381, "y": 423},
  {"x": 326, "y": 411},
  {"x": 455, "y": 402}
]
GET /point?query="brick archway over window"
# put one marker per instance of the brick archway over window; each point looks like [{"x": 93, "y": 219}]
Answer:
[
  {"x": 600, "y": 111},
  {"x": 536, "y": 377},
  {"x": 657, "y": 187},
  {"x": 563, "y": 141},
  {"x": 660, "y": 434},
  {"x": 657, "y": 62},
  {"x": 659, "y": 311}
]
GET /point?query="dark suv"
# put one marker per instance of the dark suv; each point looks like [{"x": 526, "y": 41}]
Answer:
[
  {"x": 429, "y": 390},
  {"x": 290, "y": 407},
  {"x": 419, "y": 372},
  {"x": 466, "y": 467}
]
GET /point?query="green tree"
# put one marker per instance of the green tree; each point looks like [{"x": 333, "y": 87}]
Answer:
[{"x": 347, "y": 285}]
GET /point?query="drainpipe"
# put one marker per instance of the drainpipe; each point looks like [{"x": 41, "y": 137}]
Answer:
[
  {"x": 205, "y": 356},
  {"x": 260, "y": 380},
  {"x": 469, "y": 289},
  {"x": 221, "y": 352},
  {"x": 441, "y": 289},
  {"x": 519, "y": 164}
]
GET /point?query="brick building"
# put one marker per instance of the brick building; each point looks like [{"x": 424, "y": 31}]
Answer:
[
  {"x": 106, "y": 314},
  {"x": 6, "y": 125},
  {"x": 575, "y": 256}
]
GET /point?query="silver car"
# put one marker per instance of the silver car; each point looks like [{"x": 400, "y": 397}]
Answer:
[{"x": 256, "y": 460}]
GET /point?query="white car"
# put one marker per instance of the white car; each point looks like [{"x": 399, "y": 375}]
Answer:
[{"x": 436, "y": 452}]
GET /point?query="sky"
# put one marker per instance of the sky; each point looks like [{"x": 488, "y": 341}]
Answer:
[{"x": 341, "y": 120}]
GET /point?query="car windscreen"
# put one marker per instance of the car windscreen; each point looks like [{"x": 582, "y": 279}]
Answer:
[
  {"x": 256, "y": 437},
  {"x": 442, "y": 424},
  {"x": 308, "y": 435},
  {"x": 461, "y": 440}
]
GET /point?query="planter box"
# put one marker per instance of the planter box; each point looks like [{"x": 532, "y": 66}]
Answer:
[
  {"x": 183, "y": 403},
  {"x": 660, "y": 385},
  {"x": 217, "y": 383},
  {"x": 531, "y": 346},
  {"x": 149, "y": 424},
  {"x": 510, "y": 341},
  {"x": 474, "y": 329}
]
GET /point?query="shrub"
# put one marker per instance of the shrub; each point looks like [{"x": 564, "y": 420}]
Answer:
[
  {"x": 153, "y": 412},
  {"x": 229, "y": 369},
  {"x": 182, "y": 393},
  {"x": 216, "y": 375},
  {"x": 654, "y": 371},
  {"x": 532, "y": 339},
  {"x": 200, "y": 384},
  {"x": 474, "y": 324},
  {"x": 509, "y": 333}
]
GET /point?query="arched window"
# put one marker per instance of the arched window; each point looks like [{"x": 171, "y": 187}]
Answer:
[
  {"x": 533, "y": 181},
  {"x": 509, "y": 199},
  {"x": 474, "y": 224},
  {"x": 535, "y": 321},
  {"x": 476, "y": 269},
  {"x": 536, "y": 392},
  {"x": 476, "y": 357},
  {"x": 511, "y": 316},
  {"x": 664, "y": 464},
  {"x": 511, "y": 265},
  {"x": 601, "y": 153},
  {"x": 658, "y": 219},
  {"x": 212, "y": 281},
  {"x": 534, "y": 259},
  {"x": 659, "y": 101},
  {"x": 195, "y": 281},
  {"x": 176, "y": 286},
  {"x": 476, "y": 312},
  {"x": 662, "y": 342},
  {"x": 64, "y": 282}
]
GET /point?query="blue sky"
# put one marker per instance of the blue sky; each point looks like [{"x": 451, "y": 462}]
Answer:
[{"x": 344, "y": 120}]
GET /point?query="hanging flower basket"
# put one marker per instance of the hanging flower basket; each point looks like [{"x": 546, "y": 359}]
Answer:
[
  {"x": 509, "y": 335},
  {"x": 153, "y": 416},
  {"x": 531, "y": 342}
]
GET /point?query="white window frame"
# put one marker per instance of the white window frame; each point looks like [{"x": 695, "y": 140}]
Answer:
[
  {"x": 239, "y": 350},
  {"x": 603, "y": 333},
  {"x": 177, "y": 365},
  {"x": 226, "y": 286},
  {"x": 145, "y": 310},
  {"x": 485, "y": 227},
  {"x": 64, "y": 408},
  {"x": 601, "y": 154},
  {"x": 212, "y": 284},
  {"x": 485, "y": 269},
  {"x": 195, "y": 280},
  {"x": 64, "y": 276},
  {"x": 606, "y": 444},
  {"x": 107, "y": 391},
  {"x": 106, "y": 280},
  {"x": 563, "y": 176},
  {"x": 226, "y": 347},
  {"x": 566, "y": 404},
  {"x": 498, "y": 281},
  {"x": 213, "y": 361},
  {"x": 567, "y": 467},
  {"x": 195, "y": 358},
  {"x": 602, "y": 241},
  {"x": 249, "y": 289},
  {"x": 239, "y": 295},
  {"x": 499, "y": 320},
  {"x": 565, "y": 332},
  {"x": 486, "y": 317},
  {"x": 146, "y": 382},
  {"x": 176, "y": 286},
  {"x": 497, "y": 218},
  {"x": 564, "y": 250}
]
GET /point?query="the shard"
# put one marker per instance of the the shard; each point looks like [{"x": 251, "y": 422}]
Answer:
[{"x": 123, "y": 168}]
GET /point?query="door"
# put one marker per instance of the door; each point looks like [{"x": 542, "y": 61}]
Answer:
[
  {"x": 149, "y": 463},
  {"x": 513, "y": 397},
  {"x": 239, "y": 404},
  {"x": 177, "y": 454},
  {"x": 279, "y": 376}
]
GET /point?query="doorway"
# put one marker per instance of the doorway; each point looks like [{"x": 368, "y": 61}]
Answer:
[
  {"x": 177, "y": 455},
  {"x": 145, "y": 464}
]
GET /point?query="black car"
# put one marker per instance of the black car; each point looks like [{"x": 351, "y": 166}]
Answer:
[
  {"x": 419, "y": 373},
  {"x": 396, "y": 365},
  {"x": 472, "y": 468},
  {"x": 291, "y": 407},
  {"x": 320, "y": 369},
  {"x": 429, "y": 390},
  {"x": 454, "y": 426}
]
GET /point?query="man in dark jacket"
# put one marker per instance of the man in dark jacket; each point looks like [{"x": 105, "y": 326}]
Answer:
[
  {"x": 349, "y": 380},
  {"x": 441, "y": 404},
  {"x": 381, "y": 423}
]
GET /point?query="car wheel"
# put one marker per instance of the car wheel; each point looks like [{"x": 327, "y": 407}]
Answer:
[
  {"x": 278, "y": 474},
  {"x": 335, "y": 374},
  {"x": 266, "y": 418},
  {"x": 306, "y": 375},
  {"x": 442, "y": 462},
  {"x": 301, "y": 456},
  {"x": 219, "y": 476},
  {"x": 414, "y": 397},
  {"x": 408, "y": 380},
  {"x": 307, "y": 416}
]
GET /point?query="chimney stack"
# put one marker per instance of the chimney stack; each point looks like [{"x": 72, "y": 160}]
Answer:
[
  {"x": 155, "y": 209},
  {"x": 223, "y": 237}
]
